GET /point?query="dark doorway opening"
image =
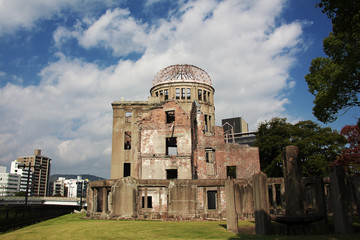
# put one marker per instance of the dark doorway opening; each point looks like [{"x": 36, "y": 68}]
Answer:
[
  {"x": 211, "y": 199},
  {"x": 127, "y": 169}
]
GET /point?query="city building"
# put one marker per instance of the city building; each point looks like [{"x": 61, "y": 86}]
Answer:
[
  {"x": 9, "y": 183},
  {"x": 236, "y": 130},
  {"x": 35, "y": 173},
  {"x": 168, "y": 157},
  {"x": 58, "y": 188},
  {"x": 75, "y": 187},
  {"x": 72, "y": 188}
]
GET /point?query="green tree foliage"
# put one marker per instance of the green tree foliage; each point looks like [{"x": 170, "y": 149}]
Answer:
[
  {"x": 318, "y": 146},
  {"x": 335, "y": 80},
  {"x": 350, "y": 156}
]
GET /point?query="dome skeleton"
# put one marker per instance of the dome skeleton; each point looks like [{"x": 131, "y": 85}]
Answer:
[{"x": 181, "y": 73}]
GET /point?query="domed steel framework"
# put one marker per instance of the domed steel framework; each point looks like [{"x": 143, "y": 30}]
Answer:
[{"x": 181, "y": 73}]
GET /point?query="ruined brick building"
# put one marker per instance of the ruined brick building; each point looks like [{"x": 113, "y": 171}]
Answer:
[{"x": 168, "y": 157}]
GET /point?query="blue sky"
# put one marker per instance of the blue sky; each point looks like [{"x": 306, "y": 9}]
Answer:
[{"x": 62, "y": 63}]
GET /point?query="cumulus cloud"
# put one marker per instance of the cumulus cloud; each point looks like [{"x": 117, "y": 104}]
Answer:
[
  {"x": 247, "y": 51},
  {"x": 19, "y": 14}
]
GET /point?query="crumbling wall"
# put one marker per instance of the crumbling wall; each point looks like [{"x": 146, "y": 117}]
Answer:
[
  {"x": 244, "y": 158},
  {"x": 155, "y": 158}
]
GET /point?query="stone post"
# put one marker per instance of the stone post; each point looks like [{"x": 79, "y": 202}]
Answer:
[
  {"x": 293, "y": 182},
  {"x": 231, "y": 214},
  {"x": 340, "y": 201},
  {"x": 124, "y": 197},
  {"x": 261, "y": 204}
]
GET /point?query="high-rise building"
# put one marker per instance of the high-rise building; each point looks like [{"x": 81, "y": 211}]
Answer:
[
  {"x": 37, "y": 180},
  {"x": 9, "y": 183}
]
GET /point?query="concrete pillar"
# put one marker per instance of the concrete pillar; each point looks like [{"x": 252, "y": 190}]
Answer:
[
  {"x": 340, "y": 201},
  {"x": 105, "y": 200},
  {"x": 273, "y": 189},
  {"x": 231, "y": 215},
  {"x": 293, "y": 182},
  {"x": 261, "y": 204},
  {"x": 124, "y": 197}
]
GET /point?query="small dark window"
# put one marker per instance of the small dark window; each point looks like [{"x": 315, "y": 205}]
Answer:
[
  {"x": 171, "y": 173},
  {"x": 199, "y": 94},
  {"x": 206, "y": 123},
  {"x": 183, "y": 93},
  {"x": 166, "y": 93},
  {"x": 231, "y": 171},
  {"x": 171, "y": 146},
  {"x": 204, "y": 95},
  {"x": 127, "y": 140},
  {"x": 209, "y": 124},
  {"x": 210, "y": 155},
  {"x": 177, "y": 92},
  {"x": 211, "y": 199},
  {"x": 170, "y": 116},
  {"x": 161, "y": 92},
  {"x": 157, "y": 94},
  {"x": 127, "y": 169},
  {"x": 149, "y": 202}
]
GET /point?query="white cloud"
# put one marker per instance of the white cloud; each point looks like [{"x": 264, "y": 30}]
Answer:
[
  {"x": 17, "y": 14},
  {"x": 241, "y": 44}
]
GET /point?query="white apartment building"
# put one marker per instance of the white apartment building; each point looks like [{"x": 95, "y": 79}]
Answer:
[
  {"x": 24, "y": 174},
  {"x": 74, "y": 187},
  {"x": 9, "y": 183}
]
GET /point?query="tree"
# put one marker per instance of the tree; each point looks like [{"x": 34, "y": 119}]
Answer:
[
  {"x": 271, "y": 138},
  {"x": 350, "y": 156},
  {"x": 335, "y": 80},
  {"x": 318, "y": 146}
]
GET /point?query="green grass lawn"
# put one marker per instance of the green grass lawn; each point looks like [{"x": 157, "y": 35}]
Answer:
[{"x": 72, "y": 226}]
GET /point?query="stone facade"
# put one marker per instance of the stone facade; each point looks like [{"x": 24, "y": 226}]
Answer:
[{"x": 168, "y": 157}]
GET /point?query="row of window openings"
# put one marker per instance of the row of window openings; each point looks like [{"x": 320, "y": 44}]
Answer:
[
  {"x": 211, "y": 200},
  {"x": 170, "y": 173},
  {"x": 171, "y": 144},
  {"x": 184, "y": 93}
]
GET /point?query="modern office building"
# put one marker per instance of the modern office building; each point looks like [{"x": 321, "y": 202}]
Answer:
[
  {"x": 236, "y": 130},
  {"x": 35, "y": 173}
]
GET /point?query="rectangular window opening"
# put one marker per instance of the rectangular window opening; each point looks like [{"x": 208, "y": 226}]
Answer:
[
  {"x": 171, "y": 174},
  {"x": 127, "y": 140},
  {"x": 204, "y": 95},
  {"x": 206, "y": 123},
  {"x": 170, "y": 116},
  {"x": 127, "y": 169},
  {"x": 209, "y": 124},
  {"x": 210, "y": 155},
  {"x": 231, "y": 172},
  {"x": 177, "y": 92},
  {"x": 211, "y": 199},
  {"x": 199, "y": 94},
  {"x": 183, "y": 93},
  {"x": 149, "y": 202},
  {"x": 171, "y": 146},
  {"x": 166, "y": 94},
  {"x": 188, "y": 94}
]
